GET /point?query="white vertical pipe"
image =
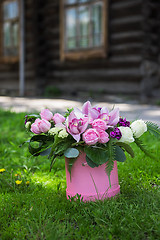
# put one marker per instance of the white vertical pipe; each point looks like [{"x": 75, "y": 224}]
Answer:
[{"x": 22, "y": 51}]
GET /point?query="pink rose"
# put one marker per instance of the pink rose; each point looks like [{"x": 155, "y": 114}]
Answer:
[
  {"x": 35, "y": 126},
  {"x": 46, "y": 114},
  {"x": 40, "y": 126},
  {"x": 99, "y": 124},
  {"x": 91, "y": 136},
  {"x": 103, "y": 136},
  {"x": 58, "y": 118}
]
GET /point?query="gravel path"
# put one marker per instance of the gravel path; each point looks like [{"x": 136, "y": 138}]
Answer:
[{"x": 131, "y": 111}]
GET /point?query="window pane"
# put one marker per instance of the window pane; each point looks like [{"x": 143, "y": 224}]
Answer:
[
  {"x": 83, "y": 14},
  {"x": 7, "y": 34},
  {"x": 10, "y": 10},
  {"x": 71, "y": 28},
  {"x": 71, "y": 1},
  {"x": 15, "y": 34},
  {"x": 83, "y": 1},
  {"x": 14, "y": 52},
  {"x": 97, "y": 24}
]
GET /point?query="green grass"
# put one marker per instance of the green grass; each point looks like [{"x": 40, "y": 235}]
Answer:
[{"x": 39, "y": 210}]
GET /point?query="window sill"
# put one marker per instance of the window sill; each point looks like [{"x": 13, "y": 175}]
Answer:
[
  {"x": 9, "y": 60},
  {"x": 84, "y": 54}
]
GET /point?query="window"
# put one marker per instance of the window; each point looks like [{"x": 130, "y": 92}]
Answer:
[
  {"x": 83, "y": 28},
  {"x": 10, "y": 29}
]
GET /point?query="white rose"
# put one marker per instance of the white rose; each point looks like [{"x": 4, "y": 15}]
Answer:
[
  {"x": 63, "y": 133},
  {"x": 138, "y": 128},
  {"x": 28, "y": 125},
  {"x": 55, "y": 130},
  {"x": 127, "y": 135}
]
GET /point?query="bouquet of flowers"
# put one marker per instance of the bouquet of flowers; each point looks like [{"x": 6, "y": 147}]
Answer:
[{"x": 102, "y": 134}]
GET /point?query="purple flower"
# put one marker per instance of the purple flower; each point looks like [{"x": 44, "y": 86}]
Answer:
[
  {"x": 26, "y": 119},
  {"x": 123, "y": 122},
  {"x": 116, "y": 133}
]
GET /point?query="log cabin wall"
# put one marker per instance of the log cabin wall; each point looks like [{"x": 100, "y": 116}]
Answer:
[
  {"x": 150, "y": 84},
  {"x": 8, "y": 70},
  {"x": 30, "y": 48},
  {"x": 131, "y": 65},
  {"x": 119, "y": 72}
]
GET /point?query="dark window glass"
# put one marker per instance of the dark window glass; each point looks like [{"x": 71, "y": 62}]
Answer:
[
  {"x": 83, "y": 24},
  {"x": 10, "y": 28}
]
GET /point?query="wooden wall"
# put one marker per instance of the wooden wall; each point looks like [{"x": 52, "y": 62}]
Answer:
[
  {"x": 119, "y": 72},
  {"x": 8, "y": 71},
  {"x": 30, "y": 48},
  {"x": 150, "y": 83},
  {"x": 131, "y": 65}
]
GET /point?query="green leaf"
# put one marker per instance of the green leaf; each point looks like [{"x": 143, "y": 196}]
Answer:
[
  {"x": 46, "y": 152},
  {"x": 62, "y": 147},
  {"x": 153, "y": 129},
  {"x": 97, "y": 155},
  {"x": 127, "y": 148},
  {"x": 39, "y": 143},
  {"x": 68, "y": 112},
  {"x": 71, "y": 153},
  {"x": 70, "y": 164},
  {"x": 53, "y": 161},
  {"x": 143, "y": 147},
  {"x": 111, "y": 159},
  {"x": 91, "y": 163},
  {"x": 119, "y": 154},
  {"x": 33, "y": 116}
]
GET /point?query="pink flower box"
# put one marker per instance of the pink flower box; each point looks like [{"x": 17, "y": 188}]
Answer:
[{"x": 90, "y": 183}]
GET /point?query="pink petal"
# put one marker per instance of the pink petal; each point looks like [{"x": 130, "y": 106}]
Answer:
[
  {"x": 114, "y": 117},
  {"x": 85, "y": 108}
]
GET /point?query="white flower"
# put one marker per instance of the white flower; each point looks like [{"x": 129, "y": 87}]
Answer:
[
  {"x": 138, "y": 127},
  {"x": 63, "y": 133},
  {"x": 28, "y": 125},
  {"x": 55, "y": 130},
  {"x": 127, "y": 135}
]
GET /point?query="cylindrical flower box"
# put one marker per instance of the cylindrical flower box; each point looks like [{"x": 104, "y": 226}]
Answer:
[{"x": 90, "y": 183}]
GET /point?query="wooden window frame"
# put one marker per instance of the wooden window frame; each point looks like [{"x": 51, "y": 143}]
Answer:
[
  {"x": 88, "y": 52},
  {"x": 8, "y": 59}
]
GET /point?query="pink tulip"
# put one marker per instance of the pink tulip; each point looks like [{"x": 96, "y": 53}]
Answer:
[
  {"x": 58, "y": 118},
  {"x": 111, "y": 118},
  {"x": 46, "y": 114},
  {"x": 103, "y": 136},
  {"x": 40, "y": 126},
  {"x": 99, "y": 124},
  {"x": 114, "y": 117},
  {"x": 91, "y": 136},
  {"x": 91, "y": 113},
  {"x": 76, "y": 126}
]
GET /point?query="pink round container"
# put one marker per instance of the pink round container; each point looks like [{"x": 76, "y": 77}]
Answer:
[{"x": 90, "y": 183}]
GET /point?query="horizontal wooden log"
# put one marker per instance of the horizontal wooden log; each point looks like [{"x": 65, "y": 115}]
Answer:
[
  {"x": 117, "y": 13},
  {"x": 9, "y": 75},
  {"x": 97, "y": 73},
  {"x": 108, "y": 87},
  {"x": 127, "y": 20},
  {"x": 127, "y": 37},
  {"x": 131, "y": 48}
]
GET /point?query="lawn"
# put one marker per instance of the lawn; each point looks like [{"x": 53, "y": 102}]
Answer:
[{"x": 33, "y": 203}]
